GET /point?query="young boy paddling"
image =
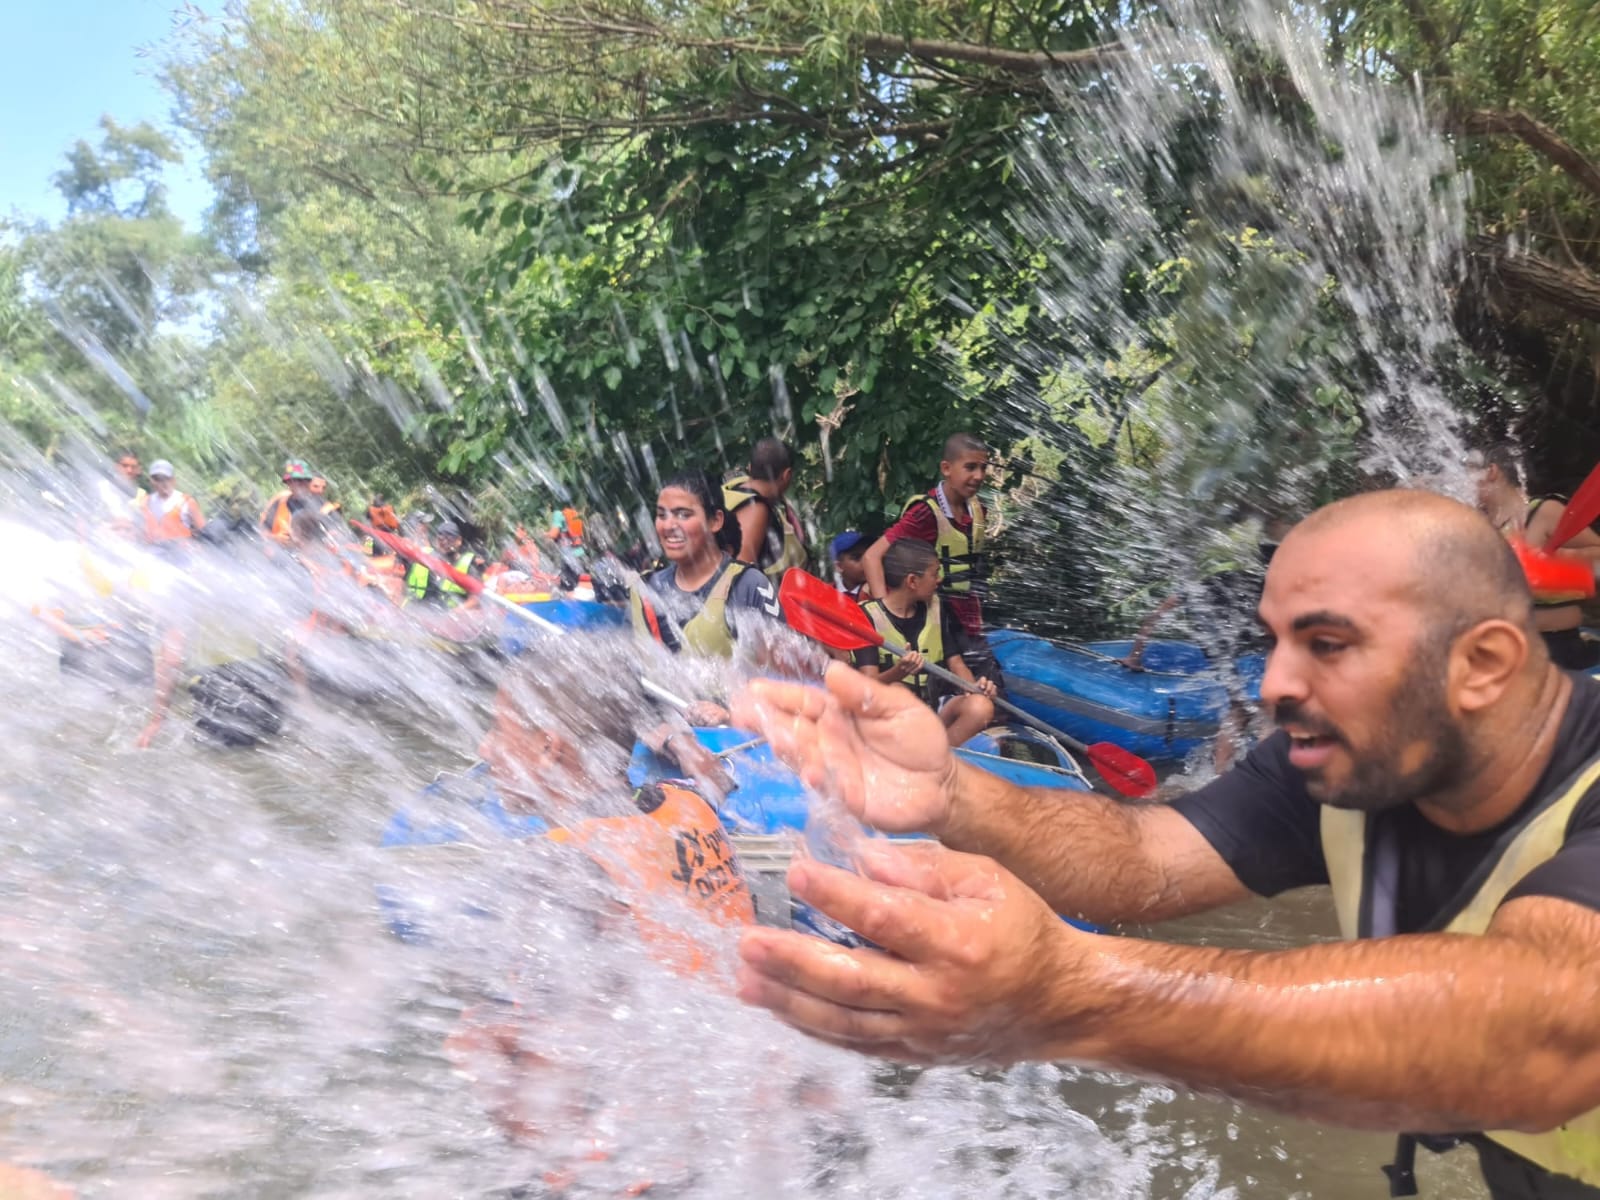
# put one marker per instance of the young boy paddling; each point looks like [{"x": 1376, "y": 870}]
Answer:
[{"x": 911, "y": 618}]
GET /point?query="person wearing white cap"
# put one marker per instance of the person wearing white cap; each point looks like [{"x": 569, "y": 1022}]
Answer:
[{"x": 169, "y": 515}]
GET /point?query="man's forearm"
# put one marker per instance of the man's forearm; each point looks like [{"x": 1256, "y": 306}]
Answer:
[
  {"x": 1429, "y": 1033},
  {"x": 1088, "y": 855}
]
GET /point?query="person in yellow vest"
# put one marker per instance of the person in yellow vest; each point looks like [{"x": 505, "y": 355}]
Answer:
[
  {"x": 1502, "y": 498},
  {"x": 695, "y": 601},
  {"x": 168, "y": 515},
  {"x": 423, "y": 584},
  {"x": 701, "y": 600},
  {"x": 1431, "y": 764},
  {"x": 950, "y": 517},
  {"x": 770, "y": 537},
  {"x": 911, "y": 618},
  {"x": 280, "y": 510}
]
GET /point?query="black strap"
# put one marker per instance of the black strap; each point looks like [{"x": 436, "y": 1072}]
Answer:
[{"x": 1402, "y": 1172}]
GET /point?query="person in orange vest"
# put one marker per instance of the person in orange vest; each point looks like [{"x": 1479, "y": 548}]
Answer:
[
  {"x": 168, "y": 514},
  {"x": 278, "y": 514},
  {"x": 566, "y": 528},
  {"x": 665, "y": 870},
  {"x": 380, "y": 515}
]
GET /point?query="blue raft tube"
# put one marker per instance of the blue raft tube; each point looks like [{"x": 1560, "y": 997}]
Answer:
[
  {"x": 433, "y": 844},
  {"x": 1163, "y": 713}
]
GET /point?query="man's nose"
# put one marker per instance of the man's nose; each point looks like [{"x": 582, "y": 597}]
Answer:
[{"x": 1284, "y": 679}]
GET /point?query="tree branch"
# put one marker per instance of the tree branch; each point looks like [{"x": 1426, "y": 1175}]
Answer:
[
  {"x": 1571, "y": 289},
  {"x": 556, "y": 26},
  {"x": 1539, "y": 137}
]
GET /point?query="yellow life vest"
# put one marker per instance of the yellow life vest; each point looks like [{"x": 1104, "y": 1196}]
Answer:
[
  {"x": 929, "y": 644},
  {"x": 418, "y": 577},
  {"x": 1571, "y": 1149},
  {"x": 706, "y": 633},
  {"x": 784, "y": 546},
  {"x": 961, "y": 553}
]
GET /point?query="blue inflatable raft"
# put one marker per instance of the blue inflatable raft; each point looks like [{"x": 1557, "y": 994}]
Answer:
[
  {"x": 569, "y": 613},
  {"x": 1171, "y": 708},
  {"x": 433, "y": 844},
  {"x": 769, "y": 798}
]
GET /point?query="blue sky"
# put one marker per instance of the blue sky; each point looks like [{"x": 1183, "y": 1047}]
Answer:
[{"x": 66, "y": 63}]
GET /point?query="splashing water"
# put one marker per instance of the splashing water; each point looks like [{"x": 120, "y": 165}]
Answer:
[
  {"x": 202, "y": 996},
  {"x": 1244, "y": 290}
]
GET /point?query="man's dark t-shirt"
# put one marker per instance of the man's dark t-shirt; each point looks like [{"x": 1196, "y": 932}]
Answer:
[{"x": 1265, "y": 825}]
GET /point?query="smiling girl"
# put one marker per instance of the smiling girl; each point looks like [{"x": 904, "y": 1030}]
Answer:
[{"x": 693, "y": 602}]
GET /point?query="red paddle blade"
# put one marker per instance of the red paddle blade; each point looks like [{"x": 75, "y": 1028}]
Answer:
[
  {"x": 405, "y": 549},
  {"x": 1581, "y": 512},
  {"x": 822, "y": 612},
  {"x": 1125, "y": 771},
  {"x": 1553, "y": 577}
]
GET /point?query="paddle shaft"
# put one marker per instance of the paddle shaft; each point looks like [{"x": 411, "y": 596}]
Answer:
[
  {"x": 476, "y": 587},
  {"x": 1026, "y": 718}
]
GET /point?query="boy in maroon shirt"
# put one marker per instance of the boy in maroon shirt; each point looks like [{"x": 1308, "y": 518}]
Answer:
[{"x": 950, "y": 518}]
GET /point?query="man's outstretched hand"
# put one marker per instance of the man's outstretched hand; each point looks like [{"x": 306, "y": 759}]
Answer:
[
  {"x": 971, "y": 960},
  {"x": 878, "y": 748}
]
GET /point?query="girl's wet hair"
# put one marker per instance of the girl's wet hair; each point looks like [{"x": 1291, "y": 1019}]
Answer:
[{"x": 698, "y": 484}]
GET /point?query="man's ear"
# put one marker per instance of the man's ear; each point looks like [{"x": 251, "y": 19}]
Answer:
[{"x": 1483, "y": 662}]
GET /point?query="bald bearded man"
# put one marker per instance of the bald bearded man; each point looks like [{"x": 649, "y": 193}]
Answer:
[{"x": 1430, "y": 763}]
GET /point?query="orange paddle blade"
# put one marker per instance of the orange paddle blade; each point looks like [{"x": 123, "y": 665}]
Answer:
[{"x": 821, "y": 611}]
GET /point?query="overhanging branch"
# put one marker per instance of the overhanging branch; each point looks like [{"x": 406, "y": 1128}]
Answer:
[
  {"x": 1539, "y": 137},
  {"x": 1570, "y": 289}
]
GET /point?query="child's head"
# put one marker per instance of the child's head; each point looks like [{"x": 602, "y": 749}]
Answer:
[
  {"x": 847, "y": 551},
  {"x": 912, "y": 566},
  {"x": 771, "y": 461},
  {"x": 563, "y": 724},
  {"x": 965, "y": 464}
]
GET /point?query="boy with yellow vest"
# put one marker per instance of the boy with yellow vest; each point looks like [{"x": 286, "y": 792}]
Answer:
[
  {"x": 950, "y": 518},
  {"x": 911, "y": 618}
]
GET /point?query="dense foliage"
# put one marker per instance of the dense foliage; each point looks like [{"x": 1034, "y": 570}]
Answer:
[{"x": 561, "y": 247}]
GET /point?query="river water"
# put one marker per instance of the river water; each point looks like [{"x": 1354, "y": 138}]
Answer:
[{"x": 201, "y": 999}]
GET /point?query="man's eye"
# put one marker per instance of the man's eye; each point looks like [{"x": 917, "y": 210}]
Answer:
[{"x": 1324, "y": 647}]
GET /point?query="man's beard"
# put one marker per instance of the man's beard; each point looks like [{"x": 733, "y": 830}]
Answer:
[{"x": 1417, "y": 715}]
